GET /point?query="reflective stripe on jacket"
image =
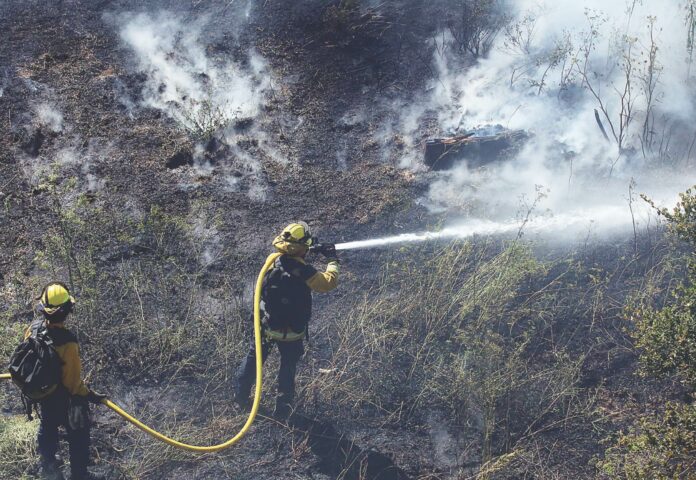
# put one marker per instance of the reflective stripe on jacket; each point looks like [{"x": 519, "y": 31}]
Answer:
[{"x": 278, "y": 336}]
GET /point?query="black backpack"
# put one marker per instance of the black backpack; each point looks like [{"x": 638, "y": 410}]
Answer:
[
  {"x": 35, "y": 366},
  {"x": 287, "y": 300}
]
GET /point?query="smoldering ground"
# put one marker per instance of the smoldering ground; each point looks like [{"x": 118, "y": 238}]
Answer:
[
  {"x": 547, "y": 68},
  {"x": 217, "y": 96}
]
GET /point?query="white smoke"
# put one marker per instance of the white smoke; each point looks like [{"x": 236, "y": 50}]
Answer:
[
  {"x": 539, "y": 77},
  {"x": 247, "y": 169},
  {"x": 75, "y": 165},
  {"x": 83, "y": 161},
  {"x": 210, "y": 94},
  {"x": 49, "y": 117},
  {"x": 207, "y": 238},
  {"x": 192, "y": 86}
]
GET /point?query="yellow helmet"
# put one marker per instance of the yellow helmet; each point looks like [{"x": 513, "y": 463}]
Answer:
[
  {"x": 56, "y": 298},
  {"x": 299, "y": 233}
]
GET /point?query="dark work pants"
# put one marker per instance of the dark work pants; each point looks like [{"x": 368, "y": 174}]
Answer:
[
  {"x": 290, "y": 354},
  {"x": 54, "y": 413}
]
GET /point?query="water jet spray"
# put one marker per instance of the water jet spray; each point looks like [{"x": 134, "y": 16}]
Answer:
[{"x": 607, "y": 218}]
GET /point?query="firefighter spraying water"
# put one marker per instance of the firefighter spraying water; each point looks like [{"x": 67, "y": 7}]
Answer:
[{"x": 282, "y": 299}]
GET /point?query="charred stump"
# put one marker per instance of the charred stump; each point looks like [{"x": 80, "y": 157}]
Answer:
[{"x": 444, "y": 153}]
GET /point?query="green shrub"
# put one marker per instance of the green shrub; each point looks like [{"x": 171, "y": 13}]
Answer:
[
  {"x": 663, "y": 446},
  {"x": 666, "y": 338},
  {"x": 681, "y": 220},
  {"x": 659, "y": 447},
  {"x": 203, "y": 119}
]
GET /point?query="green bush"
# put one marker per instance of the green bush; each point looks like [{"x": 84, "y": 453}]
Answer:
[
  {"x": 666, "y": 338},
  {"x": 681, "y": 220},
  {"x": 663, "y": 446},
  {"x": 659, "y": 447},
  {"x": 204, "y": 119}
]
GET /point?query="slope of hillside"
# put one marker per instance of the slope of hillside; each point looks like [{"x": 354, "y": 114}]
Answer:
[{"x": 148, "y": 155}]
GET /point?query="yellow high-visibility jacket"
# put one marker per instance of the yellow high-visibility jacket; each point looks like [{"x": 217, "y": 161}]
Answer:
[
  {"x": 294, "y": 264},
  {"x": 65, "y": 343},
  {"x": 326, "y": 281}
]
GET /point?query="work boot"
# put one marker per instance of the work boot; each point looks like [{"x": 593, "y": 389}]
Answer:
[
  {"x": 49, "y": 469},
  {"x": 241, "y": 391}
]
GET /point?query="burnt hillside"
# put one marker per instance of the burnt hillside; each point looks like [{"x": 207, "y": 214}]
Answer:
[{"x": 150, "y": 152}]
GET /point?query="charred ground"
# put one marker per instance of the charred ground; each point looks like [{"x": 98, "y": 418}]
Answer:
[{"x": 132, "y": 228}]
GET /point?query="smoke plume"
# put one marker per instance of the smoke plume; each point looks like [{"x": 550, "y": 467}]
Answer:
[
  {"x": 549, "y": 68},
  {"x": 209, "y": 89},
  {"x": 185, "y": 81},
  {"x": 49, "y": 117}
]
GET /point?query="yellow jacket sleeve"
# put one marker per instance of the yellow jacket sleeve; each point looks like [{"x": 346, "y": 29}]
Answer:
[
  {"x": 72, "y": 369},
  {"x": 323, "y": 282}
]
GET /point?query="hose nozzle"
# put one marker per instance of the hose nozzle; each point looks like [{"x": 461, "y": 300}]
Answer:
[{"x": 326, "y": 249}]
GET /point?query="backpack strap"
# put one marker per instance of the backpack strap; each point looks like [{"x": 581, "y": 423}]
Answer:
[
  {"x": 61, "y": 336},
  {"x": 28, "y": 406},
  {"x": 296, "y": 268},
  {"x": 37, "y": 325}
]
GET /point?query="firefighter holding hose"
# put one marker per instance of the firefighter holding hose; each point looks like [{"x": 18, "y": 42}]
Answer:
[
  {"x": 286, "y": 308},
  {"x": 47, "y": 367}
]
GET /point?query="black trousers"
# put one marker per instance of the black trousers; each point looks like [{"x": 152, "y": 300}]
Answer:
[
  {"x": 54, "y": 414},
  {"x": 290, "y": 354}
]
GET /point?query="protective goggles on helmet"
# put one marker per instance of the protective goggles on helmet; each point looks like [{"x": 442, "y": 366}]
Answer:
[{"x": 298, "y": 233}]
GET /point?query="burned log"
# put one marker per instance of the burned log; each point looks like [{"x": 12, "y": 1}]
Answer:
[{"x": 477, "y": 150}]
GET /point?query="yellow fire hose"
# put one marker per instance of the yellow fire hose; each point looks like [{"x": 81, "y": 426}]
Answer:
[{"x": 257, "y": 390}]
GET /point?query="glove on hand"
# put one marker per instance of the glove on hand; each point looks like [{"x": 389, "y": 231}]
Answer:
[
  {"x": 78, "y": 412},
  {"x": 333, "y": 266},
  {"x": 95, "y": 397}
]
